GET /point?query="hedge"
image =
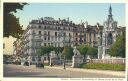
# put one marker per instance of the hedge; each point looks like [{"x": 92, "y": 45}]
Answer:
[
  {"x": 115, "y": 67},
  {"x": 46, "y": 64}
]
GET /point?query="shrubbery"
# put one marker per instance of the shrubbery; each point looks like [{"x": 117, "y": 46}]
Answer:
[
  {"x": 46, "y": 64},
  {"x": 115, "y": 67}
]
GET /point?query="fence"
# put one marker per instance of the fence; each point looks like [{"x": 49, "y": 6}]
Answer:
[
  {"x": 108, "y": 61},
  {"x": 68, "y": 62}
]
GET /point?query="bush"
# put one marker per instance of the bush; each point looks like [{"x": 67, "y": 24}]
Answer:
[
  {"x": 26, "y": 64},
  {"x": 115, "y": 67},
  {"x": 46, "y": 64},
  {"x": 40, "y": 65}
]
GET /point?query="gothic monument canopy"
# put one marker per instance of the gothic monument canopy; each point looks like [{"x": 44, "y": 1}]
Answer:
[{"x": 110, "y": 23}]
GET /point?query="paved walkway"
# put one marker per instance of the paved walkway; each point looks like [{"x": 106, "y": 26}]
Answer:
[{"x": 56, "y": 72}]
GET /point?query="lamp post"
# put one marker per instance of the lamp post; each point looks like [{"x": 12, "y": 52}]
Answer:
[
  {"x": 63, "y": 41},
  {"x": 64, "y": 62}
]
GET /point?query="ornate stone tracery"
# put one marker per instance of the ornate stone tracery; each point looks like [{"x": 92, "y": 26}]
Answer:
[{"x": 108, "y": 36}]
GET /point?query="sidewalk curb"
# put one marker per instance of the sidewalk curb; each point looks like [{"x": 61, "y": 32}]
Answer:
[{"x": 114, "y": 73}]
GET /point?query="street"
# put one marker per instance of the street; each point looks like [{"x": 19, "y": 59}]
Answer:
[{"x": 50, "y": 72}]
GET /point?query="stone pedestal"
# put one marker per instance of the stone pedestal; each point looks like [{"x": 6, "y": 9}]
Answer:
[
  {"x": 77, "y": 59},
  {"x": 100, "y": 52},
  {"x": 23, "y": 61}
]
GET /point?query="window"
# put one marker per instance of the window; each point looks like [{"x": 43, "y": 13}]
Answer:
[
  {"x": 107, "y": 51},
  {"x": 76, "y": 39},
  {"x": 44, "y": 27},
  {"x": 59, "y": 39},
  {"x": 39, "y": 32},
  {"x": 39, "y": 26},
  {"x": 34, "y": 32},
  {"x": 45, "y": 32},
  {"x": 49, "y": 44},
  {"x": 69, "y": 28},
  {"x": 48, "y": 38},
  {"x": 48, "y": 27},
  {"x": 48, "y": 32},
  {"x": 45, "y": 44},
  {"x": 58, "y": 28},
  {"x": 45, "y": 38},
  {"x": 56, "y": 39},
  {"x": 52, "y": 44},
  {"x": 64, "y": 28},
  {"x": 109, "y": 39},
  {"x": 76, "y": 34},
  {"x": 55, "y": 33},
  {"x": 38, "y": 43},
  {"x": 84, "y": 39},
  {"x": 55, "y": 44},
  {"x": 64, "y": 34},
  {"x": 69, "y": 34},
  {"x": 45, "y": 58}
]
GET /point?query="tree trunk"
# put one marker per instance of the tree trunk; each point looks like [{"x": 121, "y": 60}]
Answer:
[
  {"x": 84, "y": 57},
  {"x": 48, "y": 58}
]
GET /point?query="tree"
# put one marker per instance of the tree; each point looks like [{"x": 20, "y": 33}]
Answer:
[
  {"x": 45, "y": 50},
  {"x": 118, "y": 48},
  {"x": 39, "y": 52},
  {"x": 58, "y": 49},
  {"x": 68, "y": 52},
  {"x": 92, "y": 52},
  {"x": 11, "y": 24},
  {"x": 83, "y": 50}
]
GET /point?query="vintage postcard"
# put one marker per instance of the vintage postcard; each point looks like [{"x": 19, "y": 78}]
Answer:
[{"x": 64, "y": 41}]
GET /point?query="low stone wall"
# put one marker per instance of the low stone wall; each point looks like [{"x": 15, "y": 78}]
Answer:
[{"x": 108, "y": 61}]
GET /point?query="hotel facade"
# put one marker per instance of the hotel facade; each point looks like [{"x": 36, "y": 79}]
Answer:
[{"x": 58, "y": 33}]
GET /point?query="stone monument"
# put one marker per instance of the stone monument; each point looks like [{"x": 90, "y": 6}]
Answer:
[{"x": 77, "y": 59}]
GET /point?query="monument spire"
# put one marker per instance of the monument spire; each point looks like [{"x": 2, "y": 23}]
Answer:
[
  {"x": 110, "y": 13},
  {"x": 110, "y": 10}
]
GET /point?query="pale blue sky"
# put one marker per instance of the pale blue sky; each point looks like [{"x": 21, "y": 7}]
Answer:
[{"x": 92, "y": 12}]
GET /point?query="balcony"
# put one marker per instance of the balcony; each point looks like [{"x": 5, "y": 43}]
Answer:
[{"x": 37, "y": 40}]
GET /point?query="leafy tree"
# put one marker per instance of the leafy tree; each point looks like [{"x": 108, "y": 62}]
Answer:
[
  {"x": 118, "y": 48},
  {"x": 92, "y": 52},
  {"x": 68, "y": 52},
  {"x": 11, "y": 23},
  {"x": 58, "y": 49},
  {"x": 45, "y": 50},
  {"x": 39, "y": 52},
  {"x": 83, "y": 50}
]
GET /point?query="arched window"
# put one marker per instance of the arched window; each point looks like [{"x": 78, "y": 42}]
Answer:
[{"x": 109, "y": 39}]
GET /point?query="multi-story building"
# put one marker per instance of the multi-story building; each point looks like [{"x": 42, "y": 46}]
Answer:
[
  {"x": 50, "y": 32},
  {"x": 92, "y": 33},
  {"x": 79, "y": 35}
]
